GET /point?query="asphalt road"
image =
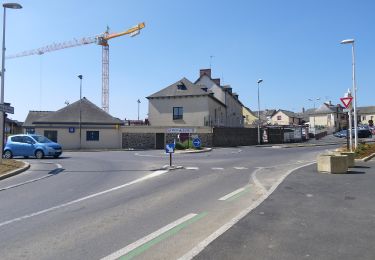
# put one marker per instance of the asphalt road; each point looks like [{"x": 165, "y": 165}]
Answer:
[
  {"x": 310, "y": 216},
  {"x": 89, "y": 205}
]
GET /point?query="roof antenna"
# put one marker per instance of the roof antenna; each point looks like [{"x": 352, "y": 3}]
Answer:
[{"x": 211, "y": 56}]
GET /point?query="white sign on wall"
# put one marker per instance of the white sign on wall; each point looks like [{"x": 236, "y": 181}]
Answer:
[{"x": 181, "y": 130}]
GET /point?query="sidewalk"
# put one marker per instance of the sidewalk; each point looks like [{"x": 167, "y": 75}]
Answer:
[{"x": 311, "y": 215}]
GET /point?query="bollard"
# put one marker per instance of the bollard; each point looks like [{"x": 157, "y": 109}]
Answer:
[{"x": 332, "y": 163}]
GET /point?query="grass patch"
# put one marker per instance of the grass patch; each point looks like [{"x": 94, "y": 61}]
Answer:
[
  {"x": 363, "y": 150},
  {"x": 9, "y": 165}
]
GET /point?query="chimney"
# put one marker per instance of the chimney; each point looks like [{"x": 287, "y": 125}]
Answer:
[
  {"x": 205, "y": 72},
  {"x": 217, "y": 81}
]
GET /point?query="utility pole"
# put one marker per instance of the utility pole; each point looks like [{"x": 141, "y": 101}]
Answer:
[{"x": 80, "y": 111}]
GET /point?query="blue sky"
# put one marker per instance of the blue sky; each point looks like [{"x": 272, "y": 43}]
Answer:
[{"x": 294, "y": 46}]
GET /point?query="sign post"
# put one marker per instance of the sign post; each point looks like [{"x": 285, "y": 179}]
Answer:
[
  {"x": 169, "y": 148},
  {"x": 347, "y": 100},
  {"x": 197, "y": 142}
]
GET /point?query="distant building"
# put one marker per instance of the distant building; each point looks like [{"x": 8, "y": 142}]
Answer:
[
  {"x": 98, "y": 128},
  {"x": 250, "y": 119},
  {"x": 265, "y": 116},
  {"x": 285, "y": 117},
  {"x": 365, "y": 114},
  {"x": 328, "y": 116}
]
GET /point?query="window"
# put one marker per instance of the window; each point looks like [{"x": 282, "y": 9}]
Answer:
[
  {"x": 177, "y": 113},
  {"x": 278, "y": 117},
  {"x": 30, "y": 130},
  {"x": 181, "y": 86},
  {"x": 92, "y": 135},
  {"x": 51, "y": 134}
]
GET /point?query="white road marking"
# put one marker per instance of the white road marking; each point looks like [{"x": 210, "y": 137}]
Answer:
[
  {"x": 148, "y": 155},
  {"x": 217, "y": 168},
  {"x": 240, "y": 168},
  {"x": 196, "y": 250},
  {"x": 255, "y": 180},
  {"x": 152, "y": 175},
  {"x": 148, "y": 238},
  {"x": 33, "y": 180},
  {"x": 192, "y": 168},
  {"x": 232, "y": 194}
]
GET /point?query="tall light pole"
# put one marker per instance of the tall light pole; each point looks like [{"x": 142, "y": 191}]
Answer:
[
  {"x": 313, "y": 100},
  {"x": 138, "y": 101},
  {"x": 80, "y": 111},
  {"x": 351, "y": 41},
  {"x": 10, "y": 6},
  {"x": 259, "y": 81}
]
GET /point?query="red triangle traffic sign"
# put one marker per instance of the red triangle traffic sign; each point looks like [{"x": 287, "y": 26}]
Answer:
[{"x": 346, "y": 101}]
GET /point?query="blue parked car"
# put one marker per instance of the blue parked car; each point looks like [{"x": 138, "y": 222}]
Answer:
[{"x": 31, "y": 145}]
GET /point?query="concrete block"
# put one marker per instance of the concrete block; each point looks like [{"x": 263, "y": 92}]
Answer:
[
  {"x": 332, "y": 163},
  {"x": 351, "y": 159}
]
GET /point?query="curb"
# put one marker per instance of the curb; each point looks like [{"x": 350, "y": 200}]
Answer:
[
  {"x": 367, "y": 158},
  {"x": 296, "y": 145},
  {"x": 25, "y": 167},
  {"x": 195, "y": 151}
]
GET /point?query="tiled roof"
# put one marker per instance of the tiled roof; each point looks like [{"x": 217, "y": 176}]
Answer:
[
  {"x": 34, "y": 116},
  {"x": 366, "y": 110},
  {"x": 183, "y": 87},
  {"x": 90, "y": 114}
]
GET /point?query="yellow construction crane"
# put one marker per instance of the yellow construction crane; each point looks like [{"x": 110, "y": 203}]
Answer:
[{"x": 101, "y": 39}]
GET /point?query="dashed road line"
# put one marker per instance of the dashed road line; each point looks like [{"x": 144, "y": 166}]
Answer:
[
  {"x": 217, "y": 168},
  {"x": 240, "y": 168},
  {"x": 192, "y": 168}
]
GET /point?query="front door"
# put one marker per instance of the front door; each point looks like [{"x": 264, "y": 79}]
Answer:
[{"x": 159, "y": 141}]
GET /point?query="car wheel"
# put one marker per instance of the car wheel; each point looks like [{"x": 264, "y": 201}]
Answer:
[
  {"x": 39, "y": 154},
  {"x": 8, "y": 154}
]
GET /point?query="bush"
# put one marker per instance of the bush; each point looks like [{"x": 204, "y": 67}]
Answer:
[{"x": 180, "y": 146}]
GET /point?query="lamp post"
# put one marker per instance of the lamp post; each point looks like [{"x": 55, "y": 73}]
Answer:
[
  {"x": 138, "y": 101},
  {"x": 80, "y": 111},
  {"x": 259, "y": 81},
  {"x": 10, "y": 6},
  {"x": 313, "y": 100},
  {"x": 351, "y": 41}
]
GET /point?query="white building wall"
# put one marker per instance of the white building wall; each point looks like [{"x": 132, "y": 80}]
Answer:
[
  {"x": 195, "y": 110},
  {"x": 109, "y": 138}
]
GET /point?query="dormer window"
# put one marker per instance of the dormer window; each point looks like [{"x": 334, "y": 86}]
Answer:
[{"x": 181, "y": 86}]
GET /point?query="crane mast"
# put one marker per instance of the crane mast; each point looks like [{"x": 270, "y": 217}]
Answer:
[{"x": 102, "y": 40}]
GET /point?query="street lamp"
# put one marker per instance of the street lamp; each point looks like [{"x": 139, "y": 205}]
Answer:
[
  {"x": 351, "y": 41},
  {"x": 80, "y": 111},
  {"x": 10, "y": 6},
  {"x": 259, "y": 81},
  {"x": 313, "y": 100},
  {"x": 138, "y": 101}
]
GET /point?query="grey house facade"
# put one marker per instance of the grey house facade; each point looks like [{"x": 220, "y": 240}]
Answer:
[
  {"x": 184, "y": 104},
  {"x": 80, "y": 125},
  {"x": 201, "y": 104}
]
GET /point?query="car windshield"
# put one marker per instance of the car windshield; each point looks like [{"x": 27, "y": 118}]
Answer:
[{"x": 41, "y": 139}]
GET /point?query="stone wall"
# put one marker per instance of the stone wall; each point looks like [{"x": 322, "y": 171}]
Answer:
[
  {"x": 147, "y": 140},
  {"x": 138, "y": 140}
]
